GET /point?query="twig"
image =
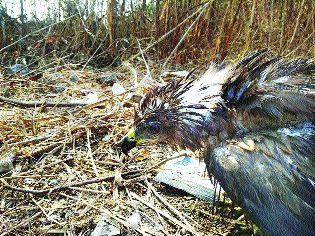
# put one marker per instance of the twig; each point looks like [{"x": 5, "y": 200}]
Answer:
[
  {"x": 34, "y": 140},
  {"x": 300, "y": 44},
  {"x": 153, "y": 222},
  {"x": 168, "y": 205},
  {"x": 164, "y": 161},
  {"x": 166, "y": 215},
  {"x": 28, "y": 176},
  {"x": 96, "y": 50},
  {"x": 93, "y": 105},
  {"x": 145, "y": 62},
  {"x": 296, "y": 24},
  {"x": 135, "y": 174},
  {"x": 45, "y": 166},
  {"x": 44, "y": 212},
  {"x": 90, "y": 190},
  {"x": 89, "y": 151},
  {"x": 203, "y": 8},
  {"x": 107, "y": 212},
  {"x": 139, "y": 176},
  {"x": 165, "y": 35},
  {"x": 57, "y": 189},
  {"x": 21, "y": 103},
  {"x": 164, "y": 228},
  {"x": 68, "y": 186},
  {"x": 22, "y": 223},
  {"x": 90, "y": 155}
]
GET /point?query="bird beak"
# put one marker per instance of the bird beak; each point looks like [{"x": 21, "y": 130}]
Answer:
[{"x": 129, "y": 141}]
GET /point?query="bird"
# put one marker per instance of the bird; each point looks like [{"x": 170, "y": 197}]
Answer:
[{"x": 252, "y": 122}]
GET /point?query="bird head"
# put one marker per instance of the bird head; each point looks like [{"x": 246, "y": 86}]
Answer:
[
  {"x": 178, "y": 114},
  {"x": 154, "y": 120},
  {"x": 149, "y": 129}
]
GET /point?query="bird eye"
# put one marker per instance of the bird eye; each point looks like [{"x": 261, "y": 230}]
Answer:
[{"x": 154, "y": 127}]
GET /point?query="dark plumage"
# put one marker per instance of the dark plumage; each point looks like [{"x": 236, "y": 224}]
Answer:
[{"x": 254, "y": 124}]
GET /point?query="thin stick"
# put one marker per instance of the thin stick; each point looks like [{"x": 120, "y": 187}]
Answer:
[
  {"x": 296, "y": 24},
  {"x": 136, "y": 173},
  {"x": 45, "y": 213},
  {"x": 166, "y": 215},
  {"x": 57, "y": 189},
  {"x": 165, "y": 35},
  {"x": 22, "y": 223},
  {"x": 203, "y": 8},
  {"x": 145, "y": 62},
  {"x": 34, "y": 140},
  {"x": 87, "y": 190},
  {"x": 107, "y": 212},
  {"x": 96, "y": 50},
  {"x": 301, "y": 44},
  {"x": 28, "y": 176},
  {"x": 169, "y": 206},
  {"x": 21, "y": 103}
]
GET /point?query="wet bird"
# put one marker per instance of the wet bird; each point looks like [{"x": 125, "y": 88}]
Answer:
[{"x": 253, "y": 122}]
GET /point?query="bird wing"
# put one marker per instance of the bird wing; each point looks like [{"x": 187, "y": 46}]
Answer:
[
  {"x": 271, "y": 176},
  {"x": 265, "y": 92}
]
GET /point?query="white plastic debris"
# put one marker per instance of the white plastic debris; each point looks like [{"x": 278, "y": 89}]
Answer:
[
  {"x": 134, "y": 220},
  {"x": 187, "y": 174},
  {"x": 118, "y": 89},
  {"x": 181, "y": 73},
  {"x": 6, "y": 161},
  {"x": 105, "y": 229},
  {"x": 91, "y": 98}
]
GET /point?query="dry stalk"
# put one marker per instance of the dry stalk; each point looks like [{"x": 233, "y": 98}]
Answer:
[
  {"x": 120, "y": 219},
  {"x": 26, "y": 221},
  {"x": 21, "y": 103},
  {"x": 164, "y": 214}
]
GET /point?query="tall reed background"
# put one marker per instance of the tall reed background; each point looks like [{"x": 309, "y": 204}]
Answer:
[{"x": 171, "y": 31}]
